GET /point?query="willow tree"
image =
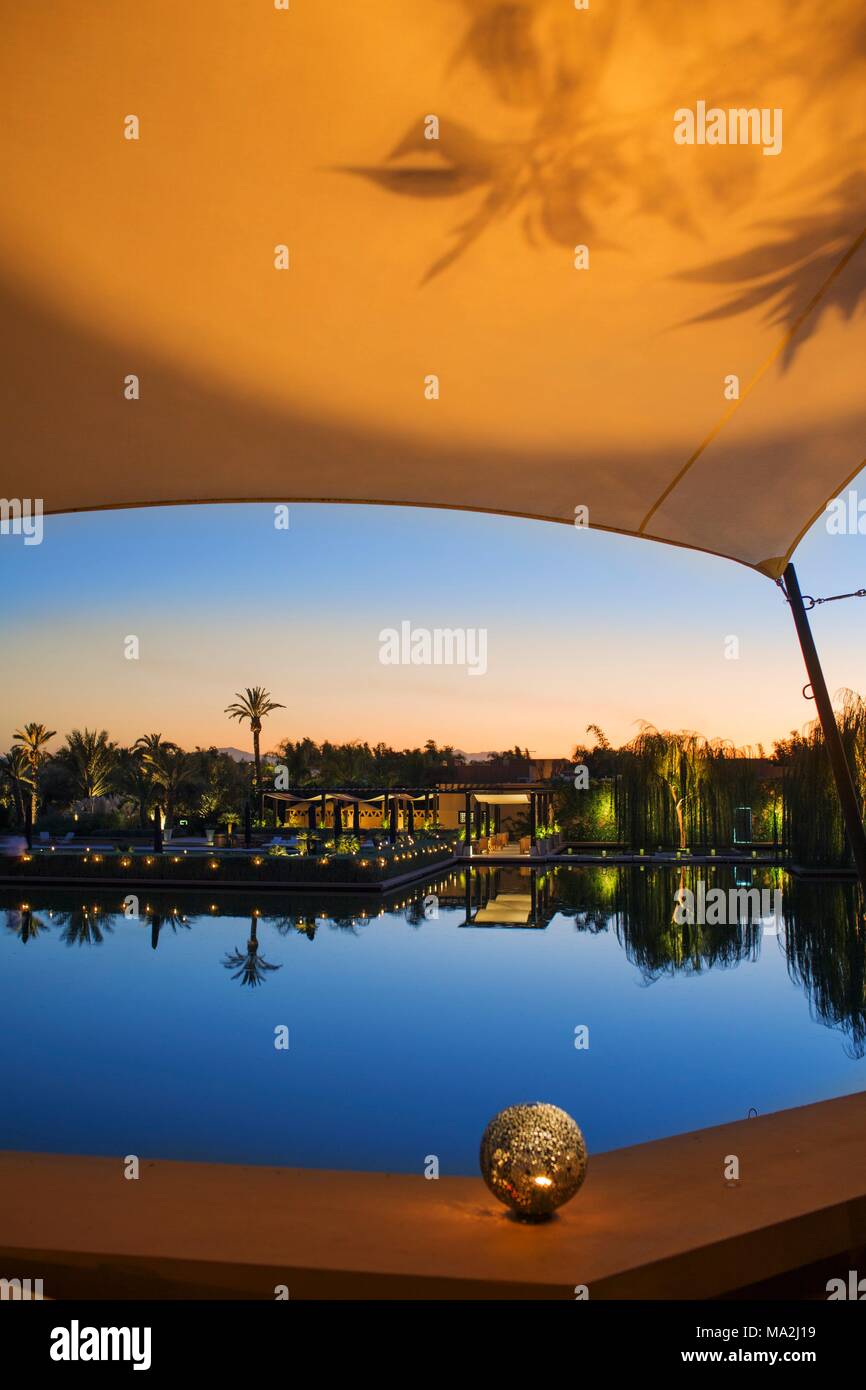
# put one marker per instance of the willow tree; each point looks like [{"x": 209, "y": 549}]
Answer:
[
  {"x": 825, "y": 945},
  {"x": 813, "y": 827},
  {"x": 647, "y": 926},
  {"x": 662, "y": 786}
]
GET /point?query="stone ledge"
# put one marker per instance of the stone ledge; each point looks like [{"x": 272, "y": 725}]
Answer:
[{"x": 652, "y": 1221}]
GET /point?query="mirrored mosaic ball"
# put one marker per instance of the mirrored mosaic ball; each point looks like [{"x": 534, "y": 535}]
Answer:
[{"x": 533, "y": 1158}]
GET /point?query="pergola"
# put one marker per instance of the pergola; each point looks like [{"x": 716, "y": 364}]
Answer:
[
  {"x": 543, "y": 276},
  {"x": 392, "y": 800},
  {"x": 482, "y": 805}
]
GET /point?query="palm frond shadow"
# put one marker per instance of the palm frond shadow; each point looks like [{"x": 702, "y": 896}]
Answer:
[{"x": 788, "y": 270}]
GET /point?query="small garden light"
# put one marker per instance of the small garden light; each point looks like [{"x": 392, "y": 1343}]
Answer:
[{"x": 533, "y": 1158}]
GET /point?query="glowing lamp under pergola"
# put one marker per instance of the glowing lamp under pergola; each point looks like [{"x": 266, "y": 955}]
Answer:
[{"x": 448, "y": 253}]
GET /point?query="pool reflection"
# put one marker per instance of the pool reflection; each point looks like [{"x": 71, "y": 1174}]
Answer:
[{"x": 428, "y": 1010}]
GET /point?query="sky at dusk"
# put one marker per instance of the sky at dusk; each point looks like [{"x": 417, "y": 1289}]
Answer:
[{"x": 583, "y": 627}]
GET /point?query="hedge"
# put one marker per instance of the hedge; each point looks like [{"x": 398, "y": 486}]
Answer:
[{"x": 95, "y": 866}]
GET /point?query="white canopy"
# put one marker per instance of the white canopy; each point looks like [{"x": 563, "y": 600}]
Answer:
[
  {"x": 452, "y": 253},
  {"x": 502, "y": 799}
]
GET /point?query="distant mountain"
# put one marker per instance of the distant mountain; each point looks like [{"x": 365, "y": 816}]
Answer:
[{"x": 240, "y": 755}]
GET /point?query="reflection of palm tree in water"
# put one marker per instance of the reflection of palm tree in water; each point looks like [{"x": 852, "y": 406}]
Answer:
[
  {"x": 176, "y": 920},
  {"x": 305, "y": 924},
  {"x": 249, "y": 967},
  {"x": 85, "y": 926},
  {"x": 25, "y": 925}
]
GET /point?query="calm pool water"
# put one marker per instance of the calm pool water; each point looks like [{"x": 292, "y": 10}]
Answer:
[{"x": 408, "y": 1030}]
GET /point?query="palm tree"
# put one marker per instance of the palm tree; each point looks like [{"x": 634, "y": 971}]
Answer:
[
  {"x": 132, "y": 781},
  {"x": 90, "y": 758},
  {"x": 14, "y": 770},
  {"x": 150, "y": 748},
  {"x": 253, "y": 706},
  {"x": 150, "y": 745},
  {"x": 171, "y": 770},
  {"x": 301, "y": 759},
  {"x": 33, "y": 738}
]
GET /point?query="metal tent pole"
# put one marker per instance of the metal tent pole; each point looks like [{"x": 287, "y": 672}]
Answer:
[{"x": 832, "y": 739}]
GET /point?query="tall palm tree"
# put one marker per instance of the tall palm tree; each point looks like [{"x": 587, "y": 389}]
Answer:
[
  {"x": 15, "y": 771},
  {"x": 90, "y": 758},
  {"x": 33, "y": 739},
  {"x": 253, "y": 706}
]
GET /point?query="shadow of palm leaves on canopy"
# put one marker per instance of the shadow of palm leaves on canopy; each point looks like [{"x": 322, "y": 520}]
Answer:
[
  {"x": 582, "y": 166},
  {"x": 786, "y": 271}
]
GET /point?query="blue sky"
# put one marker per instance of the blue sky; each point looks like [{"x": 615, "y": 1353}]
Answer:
[{"x": 582, "y": 627}]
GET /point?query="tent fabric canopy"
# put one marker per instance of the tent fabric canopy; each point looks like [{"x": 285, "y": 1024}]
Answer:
[
  {"x": 507, "y": 799},
  {"x": 442, "y": 253},
  {"x": 316, "y": 797}
]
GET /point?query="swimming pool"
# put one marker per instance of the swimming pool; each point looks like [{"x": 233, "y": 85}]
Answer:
[{"x": 409, "y": 1023}]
